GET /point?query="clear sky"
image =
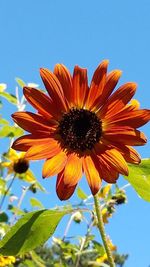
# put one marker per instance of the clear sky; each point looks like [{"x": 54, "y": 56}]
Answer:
[{"x": 42, "y": 33}]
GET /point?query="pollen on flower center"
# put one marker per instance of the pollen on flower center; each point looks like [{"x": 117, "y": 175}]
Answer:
[
  {"x": 79, "y": 129},
  {"x": 21, "y": 166}
]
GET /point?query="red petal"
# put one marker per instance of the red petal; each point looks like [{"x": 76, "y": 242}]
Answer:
[
  {"x": 127, "y": 137},
  {"x": 42, "y": 103},
  {"x": 42, "y": 151},
  {"x": 113, "y": 158},
  {"x": 118, "y": 100},
  {"x": 33, "y": 122},
  {"x": 23, "y": 143},
  {"x": 111, "y": 81},
  {"x": 126, "y": 117},
  {"x": 92, "y": 174},
  {"x": 54, "y": 165},
  {"x": 65, "y": 79},
  {"x": 73, "y": 170},
  {"x": 80, "y": 87},
  {"x": 97, "y": 84},
  {"x": 54, "y": 88},
  {"x": 64, "y": 191}
]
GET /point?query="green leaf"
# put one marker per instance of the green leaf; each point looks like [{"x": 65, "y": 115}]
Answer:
[
  {"x": 3, "y": 217},
  {"x": 81, "y": 194},
  {"x": 32, "y": 230},
  {"x": 2, "y": 186},
  {"x": 3, "y": 121},
  {"x": 100, "y": 249},
  {"x": 20, "y": 82},
  {"x": 139, "y": 178},
  {"x": 11, "y": 98},
  {"x": 11, "y": 131},
  {"x": 36, "y": 203}
]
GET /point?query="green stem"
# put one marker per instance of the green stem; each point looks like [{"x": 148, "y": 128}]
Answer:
[
  {"x": 102, "y": 231},
  {"x": 6, "y": 192}
]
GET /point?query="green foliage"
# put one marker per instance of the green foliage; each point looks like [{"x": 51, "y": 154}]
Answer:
[
  {"x": 81, "y": 194},
  {"x": 25, "y": 235},
  {"x": 139, "y": 178},
  {"x": 11, "y": 98},
  {"x": 20, "y": 82},
  {"x": 10, "y": 131},
  {"x": 36, "y": 203}
]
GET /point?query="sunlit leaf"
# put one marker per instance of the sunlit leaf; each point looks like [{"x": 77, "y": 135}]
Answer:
[
  {"x": 11, "y": 98},
  {"x": 10, "y": 131},
  {"x": 81, "y": 194},
  {"x": 3, "y": 87},
  {"x": 36, "y": 203},
  {"x": 39, "y": 262},
  {"x": 30, "y": 231},
  {"x": 139, "y": 178},
  {"x": 3, "y": 121},
  {"x": 39, "y": 187},
  {"x": 2, "y": 186},
  {"x": 28, "y": 177},
  {"x": 20, "y": 82}
]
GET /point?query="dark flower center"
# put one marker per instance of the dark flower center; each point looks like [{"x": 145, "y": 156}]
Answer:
[
  {"x": 21, "y": 166},
  {"x": 80, "y": 129}
]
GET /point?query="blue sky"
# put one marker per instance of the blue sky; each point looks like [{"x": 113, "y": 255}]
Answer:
[{"x": 38, "y": 34}]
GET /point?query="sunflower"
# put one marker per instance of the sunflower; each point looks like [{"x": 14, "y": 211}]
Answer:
[
  {"x": 18, "y": 165},
  {"x": 80, "y": 128}
]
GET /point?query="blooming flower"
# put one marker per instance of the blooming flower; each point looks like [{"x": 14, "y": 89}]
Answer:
[
  {"x": 18, "y": 165},
  {"x": 6, "y": 260},
  {"x": 81, "y": 128}
]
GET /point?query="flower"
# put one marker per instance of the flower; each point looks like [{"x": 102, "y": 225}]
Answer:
[
  {"x": 6, "y": 260},
  {"x": 18, "y": 165},
  {"x": 80, "y": 128},
  {"x": 106, "y": 214},
  {"x": 104, "y": 257}
]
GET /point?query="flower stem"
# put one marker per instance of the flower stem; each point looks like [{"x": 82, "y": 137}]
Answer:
[
  {"x": 6, "y": 192},
  {"x": 102, "y": 231}
]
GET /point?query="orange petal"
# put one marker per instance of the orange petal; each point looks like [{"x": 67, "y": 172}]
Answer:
[
  {"x": 113, "y": 158},
  {"x": 23, "y": 143},
  {"x": 41, "y": 102},
  {"x": 64, "y": 191},
  {"x": 54, "y": 88},
  {"x": 42, "y": 151},
  {"x": 80, "y": 87},
  {"x": 126, "y": 117},
  {"x": 32, "y": 122},
  {"x": 118, "y": 100},
  {"x": 73, "y": 170},
  {"x": 65, "y": 79},
  {"x": 128, "y": 137},
  {"x": 97, "y": 84},
  {"x": 129, "y": 153},
  {"x": 111, "y": 81},
  {"x": 92, "y": 174},
  {"x": 54, "y": 165}
]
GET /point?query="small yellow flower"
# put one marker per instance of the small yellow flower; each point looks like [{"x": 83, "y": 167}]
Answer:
[
  {"x": 111, "y": 245},
  {"x": 106, "y": 215},
  {"x": 18, "y": 165},
  {"x": 6, "y": 260},
  {"x": 104, "y": 258},
  {"x": 104, "y": 191}
]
